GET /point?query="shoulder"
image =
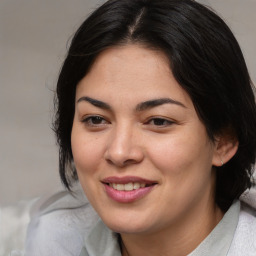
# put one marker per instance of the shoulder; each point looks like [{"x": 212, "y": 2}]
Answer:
[
  {"x": 244, "y": 241},
  {"x": 59, "y": 224},
  {"x": 14, "y": 220}
]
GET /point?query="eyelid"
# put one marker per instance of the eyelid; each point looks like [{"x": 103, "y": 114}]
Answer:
[
  {"x": 168, "y": 120},
  {"x": 87, "y": 118}
]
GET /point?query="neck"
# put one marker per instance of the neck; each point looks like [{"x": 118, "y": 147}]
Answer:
[{"x": 179, "y": 239}]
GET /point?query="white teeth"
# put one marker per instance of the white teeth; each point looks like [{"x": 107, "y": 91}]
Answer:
[
  {"x": 128, "y": 186},
  {"x": 120, "y": 186},
  {"x": 136, "y": 185}
]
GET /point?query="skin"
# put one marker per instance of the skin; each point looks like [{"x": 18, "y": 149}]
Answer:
[{"x": 167, "y": 144}]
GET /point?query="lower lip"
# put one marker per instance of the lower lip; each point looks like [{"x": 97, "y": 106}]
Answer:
[{"x": 127, "y": 196}]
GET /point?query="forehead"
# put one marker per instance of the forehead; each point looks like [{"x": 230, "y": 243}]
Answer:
[
  {"x": 131, "y": 70},
  {"x": 131, "y": 59}
]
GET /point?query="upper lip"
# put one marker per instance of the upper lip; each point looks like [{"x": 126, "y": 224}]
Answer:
[{"x": 127, "y": 179}]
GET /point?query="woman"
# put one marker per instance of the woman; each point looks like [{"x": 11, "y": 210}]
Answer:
[{"x": 156, "y": 118}]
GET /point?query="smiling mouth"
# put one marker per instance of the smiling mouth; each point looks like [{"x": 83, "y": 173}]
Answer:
[
  {"x": 127, "y": 189},
  {"x": 128, "y": 186}
]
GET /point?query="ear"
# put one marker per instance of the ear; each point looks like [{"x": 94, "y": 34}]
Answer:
[{"x": 225, "y": 148}]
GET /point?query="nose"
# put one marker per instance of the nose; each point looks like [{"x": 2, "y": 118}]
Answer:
[{"x": 123, "y": 147}]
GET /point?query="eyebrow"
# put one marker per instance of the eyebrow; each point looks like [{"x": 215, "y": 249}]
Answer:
[
  {"x": 140, "y": 107},
  {"x": 94, "y": 102},
  {"x": 157, "y": 102}
]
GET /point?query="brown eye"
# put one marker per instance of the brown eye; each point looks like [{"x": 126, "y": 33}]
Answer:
[
  {"x": 159, "y": 122},
  {"x": 95, "y": 121}
]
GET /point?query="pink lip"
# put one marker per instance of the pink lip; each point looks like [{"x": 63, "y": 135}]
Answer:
[
  {"x": 127, "y": 179},
  {"x": 127, "y": 196}
]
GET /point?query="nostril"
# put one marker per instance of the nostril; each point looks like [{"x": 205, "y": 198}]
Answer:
[
  {"x": 129, "y": 161},
  {"x": 120, "y": 162},
  {"x": 109, "y": 161}
]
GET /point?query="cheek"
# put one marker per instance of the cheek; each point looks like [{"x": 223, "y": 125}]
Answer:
[
  {"x": 181, "y": 155},
  {"x": 87, "y": 151},
  {"x": 185, "y": 167},
  {"x": 87, "y": 154}
]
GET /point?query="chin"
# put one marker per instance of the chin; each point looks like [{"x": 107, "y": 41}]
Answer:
[
  {"x": 128, "y": 224},
  {"x": 127, "y": 228}
]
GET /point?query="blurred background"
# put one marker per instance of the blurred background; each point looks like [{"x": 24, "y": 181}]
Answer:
[{"x": 33, "y": 41}]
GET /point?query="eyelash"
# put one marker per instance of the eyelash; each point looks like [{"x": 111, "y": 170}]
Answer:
[
  {"x": 89, "y": 121},
  {"x": 163, "y": 122}
]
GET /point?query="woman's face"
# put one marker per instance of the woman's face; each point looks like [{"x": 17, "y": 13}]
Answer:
[{"x": 142, "y": 155}]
